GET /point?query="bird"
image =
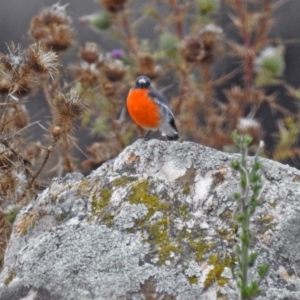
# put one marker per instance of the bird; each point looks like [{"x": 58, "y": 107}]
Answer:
[{"x": 149, "y": 109}]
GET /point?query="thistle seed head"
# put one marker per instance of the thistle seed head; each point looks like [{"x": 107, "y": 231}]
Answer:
[
  {"x": 52, "y": 28},
  {"x": 113, "y": 69},
  {"x": 42, "y": 61},
  {"x": 90, "y": 53},
  {"x": 68, "y": 106},
  {"x": 148, "y": 67}
]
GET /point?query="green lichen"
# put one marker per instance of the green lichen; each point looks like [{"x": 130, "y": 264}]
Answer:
[
  {"x": 9, "y": 278},
  {"x": 215, "y": 274},
  {"x": 84, "y": 185},
  {"x": 84, "y": 188},
  {"x": 100, "y": 202},
  {"x": 108, "y": 219},
  {"x": 100, "y": 206},
  {"x": 157, "y": 231},
  {"x": 122, "y": 181},
  {"x": 186, "y": 189},
  {"x": 166, "y": 250},
  {"x": 200, "y": 247},
  {"x": 183, "y": 212},
  {"x": 192, "y": 280},
  {"x": 141, "y": 194}
]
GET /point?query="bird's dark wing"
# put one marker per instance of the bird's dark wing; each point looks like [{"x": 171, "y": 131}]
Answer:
[
  {"x": 168, "y": 126},
  {"x": 158, "y": 97}
]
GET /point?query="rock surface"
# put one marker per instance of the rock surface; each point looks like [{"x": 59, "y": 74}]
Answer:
[{"x": 155, "y": 223}]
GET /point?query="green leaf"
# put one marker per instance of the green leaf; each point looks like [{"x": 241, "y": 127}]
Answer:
[
  {"x": 235, "y": 164},
  {"x": 236, "y": 196},
  {"x": 257, "y": 166},
  {"x": 255, "y": 177},
  {"x": 243, "y": 181},
  {"x": 247, "y": 140},
  {"x": 240, "y": 218},
  {"x": 256, "y": 188},
  {"x": 252, "y": 258},
  {"x": 253, "y": 289},
  {"x": 263, "y": 270}
]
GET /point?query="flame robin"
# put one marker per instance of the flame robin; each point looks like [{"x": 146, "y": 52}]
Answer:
[{"x": 149, "y": 109}]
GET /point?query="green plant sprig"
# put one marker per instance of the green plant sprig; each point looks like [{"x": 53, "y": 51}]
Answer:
[{"x": 247, "y": 200}]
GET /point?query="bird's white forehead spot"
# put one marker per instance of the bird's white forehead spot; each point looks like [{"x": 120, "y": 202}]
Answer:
[{"x": 142, "y": 80}]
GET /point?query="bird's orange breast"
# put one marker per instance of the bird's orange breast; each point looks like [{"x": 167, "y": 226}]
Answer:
[{"x": 143, "y": 110}]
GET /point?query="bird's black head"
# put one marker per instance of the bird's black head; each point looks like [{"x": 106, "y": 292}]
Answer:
[{"x": 142, "y": 82}]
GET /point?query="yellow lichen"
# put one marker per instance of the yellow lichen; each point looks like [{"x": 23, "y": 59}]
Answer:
[
  {"x": 122, "y": 181},
  {"x": 165, "y": 251},
  {"x": 100, "y": 202},
  {"x": 215, "y": 274},
  {"x": 141, "y": 195},
  {"x": 84, "y": 185},
  {"x": 100, "y": 206},
  {"x": 193, "y": 280},
  {"x": 108, "y": 219},
  {"x": 157, "y": 230},
  {"x": 186, "y": 189},
  {"x": 183, "y": 212},
  {"x": 200, "y": 247}
]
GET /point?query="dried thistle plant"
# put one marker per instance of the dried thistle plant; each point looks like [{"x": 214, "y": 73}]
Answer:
[
  {"x": 52, "y": 28},
  {"x": 22, "y": 72}
]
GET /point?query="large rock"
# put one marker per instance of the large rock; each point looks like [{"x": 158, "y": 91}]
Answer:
[{"x": 155, "y": 223}]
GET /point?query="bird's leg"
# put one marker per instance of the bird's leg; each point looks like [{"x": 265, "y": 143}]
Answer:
[
  {"x": 148, "y": 133},
  {"x": 155, "y": 134}
]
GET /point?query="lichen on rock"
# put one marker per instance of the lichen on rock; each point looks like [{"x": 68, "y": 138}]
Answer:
[{"x": 156, "y": 222}]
